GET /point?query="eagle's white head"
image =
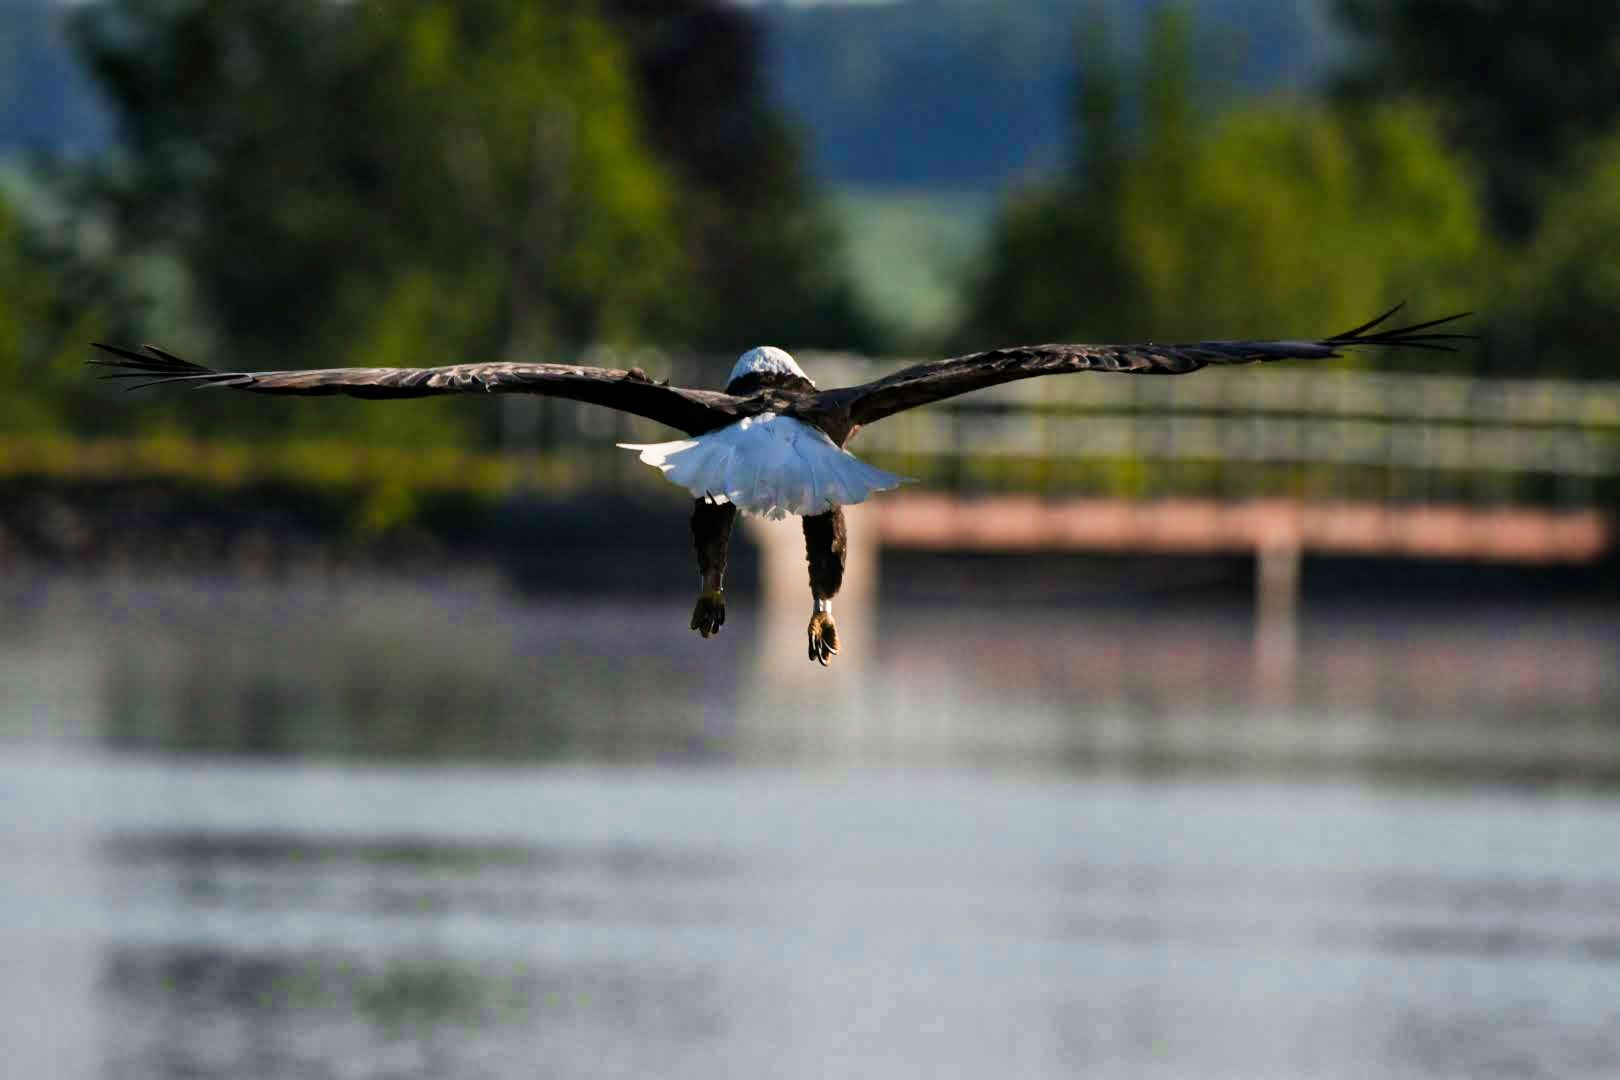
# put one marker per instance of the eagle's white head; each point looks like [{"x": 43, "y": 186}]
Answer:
[{"x": 767, "y": 360}]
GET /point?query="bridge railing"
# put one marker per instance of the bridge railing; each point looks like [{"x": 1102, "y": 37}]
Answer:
[{"x": 1302, "y": 430}]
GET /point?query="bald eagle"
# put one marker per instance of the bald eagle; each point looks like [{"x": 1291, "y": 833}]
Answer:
[{"x": 771, "y": 443}]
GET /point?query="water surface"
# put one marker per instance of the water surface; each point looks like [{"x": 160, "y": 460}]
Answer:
[{"x": 383, "y": 830}]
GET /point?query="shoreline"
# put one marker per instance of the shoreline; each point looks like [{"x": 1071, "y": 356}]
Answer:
[{"x": 576, "y": 541}]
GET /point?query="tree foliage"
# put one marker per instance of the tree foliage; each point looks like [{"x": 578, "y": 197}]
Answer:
[
  {"x": 1530, "y": 95},
  {"x": 426, "y": 181},
  {"x": 1521, "y": 85},
  {"x": 1275, "y": 217},
  {"x": 762, "y": 249},
  {"x": 1565, "y": 307},
  {"x": 42, "y": 334},
  {"x": 313, "y": 162}
]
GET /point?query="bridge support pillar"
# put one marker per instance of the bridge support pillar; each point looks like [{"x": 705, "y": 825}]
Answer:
[
  {"x": 799, "y": 698},
  {"x": 1276, "y": 619}
]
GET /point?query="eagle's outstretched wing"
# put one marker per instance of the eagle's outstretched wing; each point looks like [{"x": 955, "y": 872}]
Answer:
[
  {"x": 923, "y": 384},
  {"x": 691, "y": 411}
]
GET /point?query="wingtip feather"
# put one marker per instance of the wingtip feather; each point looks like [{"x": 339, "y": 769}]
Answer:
[
  {"x": 1420, "y": 335},
  {"x": 1369, "y": 324},
  {"x": 157, "y": 364}
]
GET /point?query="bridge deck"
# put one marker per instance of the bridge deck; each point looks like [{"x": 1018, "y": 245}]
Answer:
[{"x": 1011, "y": 522}]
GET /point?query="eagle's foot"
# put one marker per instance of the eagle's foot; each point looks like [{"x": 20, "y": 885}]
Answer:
[
  {"x": 823, "y": 638},
  {"x": 710, "y": 613}
]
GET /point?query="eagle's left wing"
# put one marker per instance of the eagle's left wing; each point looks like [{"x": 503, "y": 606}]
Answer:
[
  {"x": 923, "y": 384},
  {"x": 691, "y": 411}
]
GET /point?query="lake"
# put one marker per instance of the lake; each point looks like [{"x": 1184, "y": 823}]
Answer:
[{"x": 357, "y": 827}]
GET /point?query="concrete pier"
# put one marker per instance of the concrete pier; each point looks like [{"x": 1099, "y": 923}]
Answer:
[
  {"x": 1276, "y": 620},
  {"x": 798, "y": 698}
]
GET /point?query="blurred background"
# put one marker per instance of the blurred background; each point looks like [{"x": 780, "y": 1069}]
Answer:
[{"x": 1259, "y": 723}]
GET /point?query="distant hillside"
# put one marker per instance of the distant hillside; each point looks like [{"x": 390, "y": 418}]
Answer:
[
  {"x": 932, "y": 93},
  {"x": 971, "y": 94},
  {"x": 46, "y": 101}
]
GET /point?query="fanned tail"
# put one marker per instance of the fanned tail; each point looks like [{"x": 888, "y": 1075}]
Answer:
[{"x": 768, "y": 465}]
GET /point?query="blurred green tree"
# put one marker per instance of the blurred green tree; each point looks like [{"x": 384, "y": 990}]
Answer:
[
  {"x": 1274, "y": 218},
  {"x": 1565, "y": 296},
  {"x": 427, "y": 181},
  {"x": 359, "y": 184},
  {"x": 1521, "y": 85},
  {"x": 42, "y": 335}
]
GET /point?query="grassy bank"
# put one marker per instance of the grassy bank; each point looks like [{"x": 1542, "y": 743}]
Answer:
[{"x": 381, "y": 486}]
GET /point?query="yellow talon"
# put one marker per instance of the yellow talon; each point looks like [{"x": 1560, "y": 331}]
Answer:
[{"x": 823, "y": 634}]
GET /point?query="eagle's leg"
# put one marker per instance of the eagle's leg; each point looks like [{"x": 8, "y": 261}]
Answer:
[
  {"x": 824, "y": 545},
  {"x": 711, "y": 536}
]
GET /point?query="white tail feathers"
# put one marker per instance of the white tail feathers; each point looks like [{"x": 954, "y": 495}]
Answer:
[{"x": 770, "y": 465}]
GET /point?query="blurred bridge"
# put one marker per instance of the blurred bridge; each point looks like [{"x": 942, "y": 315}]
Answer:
[
  {"x": 1295, "y": 457},
  {"x": 1279, "y": 461},
  {"x": 1323, "y": 459}
]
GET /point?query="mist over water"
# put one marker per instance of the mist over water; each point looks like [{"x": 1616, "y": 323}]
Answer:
[{"x": 366, "y": 828}]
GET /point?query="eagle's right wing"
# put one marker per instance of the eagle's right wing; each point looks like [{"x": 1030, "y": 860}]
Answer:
[
  {"x": 691, "y": 411},
  {"x": 923, "y": 384}
]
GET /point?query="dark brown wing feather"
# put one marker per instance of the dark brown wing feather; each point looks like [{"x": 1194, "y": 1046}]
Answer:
[
  {"x": 691, "y": 411},
  {"x": 923, "y": 384}
]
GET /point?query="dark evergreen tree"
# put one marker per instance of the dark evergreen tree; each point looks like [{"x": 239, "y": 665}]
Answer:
[
  {"x": 762, "y": 246},
  {"x": 1523, "y": 85}
]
